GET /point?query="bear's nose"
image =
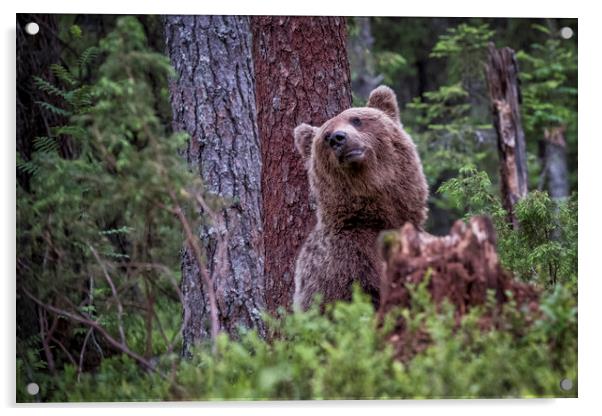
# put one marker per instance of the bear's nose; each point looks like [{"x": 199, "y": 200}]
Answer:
[{"x": 337, "y": 139}]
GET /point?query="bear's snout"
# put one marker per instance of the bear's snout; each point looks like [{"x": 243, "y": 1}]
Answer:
[{"x": 337, "y": 139}]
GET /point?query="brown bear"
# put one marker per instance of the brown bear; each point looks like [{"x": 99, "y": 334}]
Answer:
[{"x": 365, "y": 175}]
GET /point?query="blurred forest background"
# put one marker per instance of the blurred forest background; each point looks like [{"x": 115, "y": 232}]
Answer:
[{"x": 118, "y": 211}]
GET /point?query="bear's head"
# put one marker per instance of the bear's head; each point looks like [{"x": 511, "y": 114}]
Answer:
[{"x": 363, "y": 168}]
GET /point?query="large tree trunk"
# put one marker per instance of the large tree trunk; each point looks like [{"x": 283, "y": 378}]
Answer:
[
  {"x": 302, "y": 75},
  {"x": 361, "y": 60},
  {"x": 504, "y": 92},
  {"x": 213, "y": 100}
]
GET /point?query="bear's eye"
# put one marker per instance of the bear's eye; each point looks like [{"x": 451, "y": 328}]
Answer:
[{"x": 356, "y": 121}]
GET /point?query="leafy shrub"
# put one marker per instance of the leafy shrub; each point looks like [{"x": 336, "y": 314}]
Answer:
[
  {"x": 96, "y": 235},
  {"x": 343, "y": 354},
  {"x": 543, "y": 249}
]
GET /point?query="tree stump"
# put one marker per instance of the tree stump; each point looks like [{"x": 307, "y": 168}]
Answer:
[{"x": 462, "y": 266}]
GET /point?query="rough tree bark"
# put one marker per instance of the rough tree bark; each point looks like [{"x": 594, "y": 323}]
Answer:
[
  {"x": 302, "y": 75},
  {"x": 504, "y": 92},
  {"x": 213, "y": 100},
  {"x": 555, "y": 172},
  {"x": 462, "y": 267},
  {"x": 361, "y": 60}
]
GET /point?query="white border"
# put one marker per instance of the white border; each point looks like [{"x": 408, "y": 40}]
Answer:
[{"x": 590, "y": 153}]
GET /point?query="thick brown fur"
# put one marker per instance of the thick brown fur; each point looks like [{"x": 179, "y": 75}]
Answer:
[{"x": 371, "y": 183}]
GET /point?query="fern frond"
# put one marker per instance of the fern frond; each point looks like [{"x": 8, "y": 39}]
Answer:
[
  {"x": 81, "y": 97},
  {"x": 27, "y": 166},
  {"x": 53, "y": 109},
  {"x": 45, "y": 144},
  {"x": 73, "y": 131},
  {"x": 49, "y": 88},
  {"x": 63, "y": 74},
  {"x": 89, "y": 55}
]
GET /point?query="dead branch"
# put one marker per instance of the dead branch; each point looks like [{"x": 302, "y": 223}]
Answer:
[
  {"x": 174, "y": 283},
  {"x": 194, "y": 245},
  {"x": 81, "y": 353},
  {"x": 96, "y": 326},
  {"x": 114, "y": 292},
  {"x": 44, "y": 338}
]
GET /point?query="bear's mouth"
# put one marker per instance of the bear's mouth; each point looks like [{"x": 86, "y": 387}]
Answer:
[{"x": 353, "y": 155}]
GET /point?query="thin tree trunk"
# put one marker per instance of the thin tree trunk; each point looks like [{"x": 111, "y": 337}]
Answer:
[
  {"x": 555, "y": 165},
  {"x": 213, "y": 100},
  {"x": 302, "y": 75},
  {"x": 504, "y": 92}
]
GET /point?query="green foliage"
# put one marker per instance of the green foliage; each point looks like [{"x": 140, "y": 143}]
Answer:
[
  {"x": 549, "y": 98},
  {"x": 448, "y": 124},
  {"x": 99, "y": 211},
  {"x": 446, "y": 114},
  {"x": 343, "y": 354},
  {"x": 471, "y": 192},
  {"x": 390, "y": 65},
  {"x": 464, "y": 46},
  {"x": 549, "y": 90},
  {"x": 543, "y": 249}
]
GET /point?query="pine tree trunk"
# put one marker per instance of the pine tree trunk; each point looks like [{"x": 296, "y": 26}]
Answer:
[
  {"x": 504, "y": 92},
  {"x": 213, "y": 99},
  {"x": 302, "y": 75}
]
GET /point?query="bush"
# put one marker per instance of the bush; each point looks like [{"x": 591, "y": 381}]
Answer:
[{"x": 343, "y": 354}]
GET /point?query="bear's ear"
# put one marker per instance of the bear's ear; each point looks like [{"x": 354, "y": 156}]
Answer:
[
  {"x": 383, "y": 98},
  {"x": 304, "y": 134}
]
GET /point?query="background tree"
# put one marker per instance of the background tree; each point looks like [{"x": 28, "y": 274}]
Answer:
[
  {"x": 550, "y": 102},
  {"x": 302, "y": 75},
  {"x": 213, "y": 100},
  {"x": 360, "y": 45}
]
